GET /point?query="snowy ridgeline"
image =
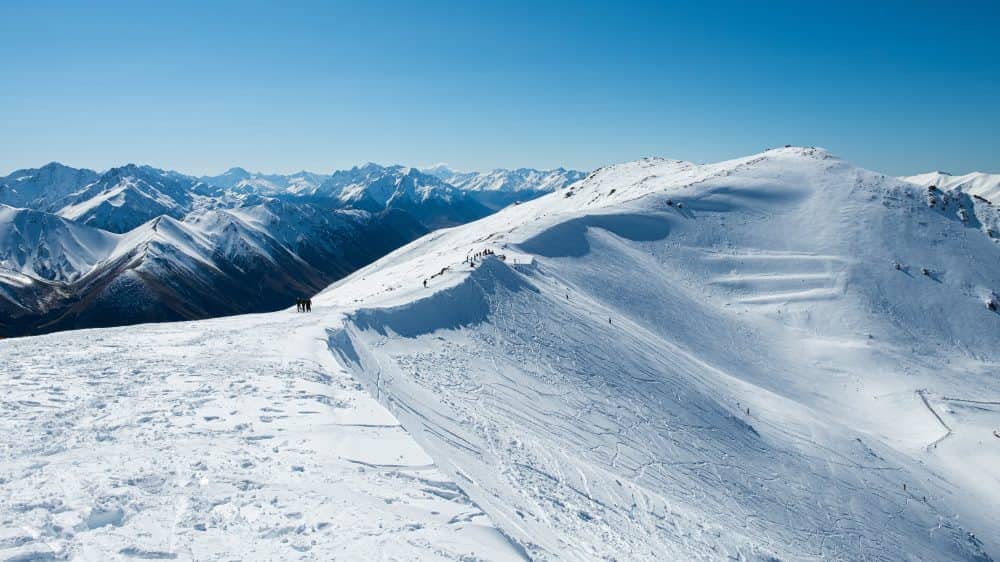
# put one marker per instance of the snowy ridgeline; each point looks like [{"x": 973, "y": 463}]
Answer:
[
  {"x": 777, "y": 357},
  {"x": 135, "y": 244}
]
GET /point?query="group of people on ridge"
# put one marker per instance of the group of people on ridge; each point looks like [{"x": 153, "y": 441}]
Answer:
[
  {"x": 303, "y": 305},
  {"x": 482, "y": 254}
]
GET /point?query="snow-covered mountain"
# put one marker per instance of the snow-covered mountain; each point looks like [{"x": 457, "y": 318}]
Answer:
[
  {"x": 126, "y": 197},
  {"x": 138, "y": 243},
  {"x": 778, "y": 357},
  {"x": 44, "y": 188},
  {"x": 214, "y": 262},
  {"x": 781, "y": 356},
  {"x": 500, "y": 179},
  {"x": 376, "y": 188},
  {"x": 240, "y": 180},
  {"x": 123, "y": 198},
  {"x": 986, "y": 186},
  {"x": 500, "y": 187},
  {"x": 49, "y": 247},
  {"x": 40, "y": 254}
]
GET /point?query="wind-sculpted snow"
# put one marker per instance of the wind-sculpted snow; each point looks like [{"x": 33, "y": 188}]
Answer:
[
  {"x": 569, "y": 239},
  {"x": 585, "y": 442},
  {"x": 466, "y": 304},
  {"x": 675, "y": 361}
]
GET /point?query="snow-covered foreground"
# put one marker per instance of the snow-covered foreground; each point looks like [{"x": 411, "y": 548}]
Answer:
[
  {"x": 229, "y": 439},
  {"x": 777, "y": 357}
]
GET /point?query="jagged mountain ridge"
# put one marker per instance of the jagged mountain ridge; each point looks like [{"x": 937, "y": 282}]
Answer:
[
  {"x": 240, "y": 180},
  {"x": 126, "y": 197},
  {"x": 49, "y": 247},
  {"x": 214, "y": 262},
  {"x": 979, "y": 184},
  {"x": 500, "y": 187},
  {"x": 240, "y": 242},
  {"x": 45, "y": 188}
]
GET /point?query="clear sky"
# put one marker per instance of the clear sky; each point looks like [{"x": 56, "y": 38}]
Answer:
[{"x": 900, "y": 87}]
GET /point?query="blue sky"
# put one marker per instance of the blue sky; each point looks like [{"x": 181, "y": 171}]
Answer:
[{"x": 901, "y": 87}]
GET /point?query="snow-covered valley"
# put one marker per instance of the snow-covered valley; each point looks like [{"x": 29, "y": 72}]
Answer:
[{"x": 781, "y": 356}]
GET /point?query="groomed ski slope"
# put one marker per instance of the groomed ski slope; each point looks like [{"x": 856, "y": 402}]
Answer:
[{"x": 673, "y": 361}]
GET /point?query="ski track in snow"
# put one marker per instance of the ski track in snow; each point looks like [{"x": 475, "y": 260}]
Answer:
[{"x": 945, "y": 426}]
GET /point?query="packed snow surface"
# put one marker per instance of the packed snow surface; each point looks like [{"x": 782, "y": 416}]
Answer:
[
  {"x": 776, "y": 357},
  {"x": 236, "y": 438}
]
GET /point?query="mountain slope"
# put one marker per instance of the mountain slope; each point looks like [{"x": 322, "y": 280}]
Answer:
[
  {"x": 46, "y": 246},
  {"x": 167, "y": 270},
  {"x": 126, "y": 197},
  {"x": 215, "y": 262},
  {"x": 703, "y": 361},
  {"x": 986, "y": 186},
  {"x": 43, "y": 188}
]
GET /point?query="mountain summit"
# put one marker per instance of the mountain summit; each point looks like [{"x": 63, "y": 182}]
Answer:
[{"x": 760, "y": 358}]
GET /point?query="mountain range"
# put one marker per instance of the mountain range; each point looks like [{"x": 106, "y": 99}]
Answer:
[
  {"x": 977, "y": 184},
  {"x": 80, "y": 248},
  {"x": 782, "y": 356}
]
